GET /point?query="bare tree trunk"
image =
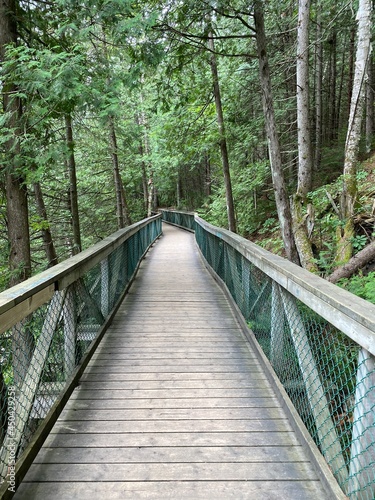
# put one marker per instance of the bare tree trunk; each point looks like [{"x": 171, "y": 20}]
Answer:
[
  {"x": 208, "y": 180},
  {"x": 125, "y": 207},
  {"x": 116, "y": 174},
  {"x": 305, "y": 160},
  {"x": 150, "y": 202},
  {"x": 351, "y": 68},
  {"x": 77, "y": 244},
  {"x": 349, "y": 190},
  {"x": 16, "y": 196},
  {"x": 16, "y": 190},
  {"x": 318, "y": 89},
  {"x": 48, "y": 244},
  {"x": 370, "y": 106},
  {"x": 332, "y": 90},
  {"x": 281, "y": 195},
  {"x": 144, "y": 180},
  {"x": 305, "y": 165},
  {"x": 223, "y": 140}
]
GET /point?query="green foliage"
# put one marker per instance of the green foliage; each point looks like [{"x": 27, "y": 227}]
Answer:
[
  {"x": 362, "y": 286},
  {"x": 325, "y": 260},
  {"x": 359, "y": 241}
]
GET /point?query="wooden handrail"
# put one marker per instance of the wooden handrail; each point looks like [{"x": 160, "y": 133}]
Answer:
[
  {"x": 352, "y": 315},
  {"x": 20, "y": 300}
]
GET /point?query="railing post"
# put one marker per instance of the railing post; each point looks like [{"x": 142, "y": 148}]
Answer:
[
  {"x": 277, "y": 329},
  {"x": 70, "y": 332},
  {"x": 104, "y": 294},
  {"x": 245, "y": 268},
  {"x": 361, "y": 469},
  {"x": 325, "y": 427}
]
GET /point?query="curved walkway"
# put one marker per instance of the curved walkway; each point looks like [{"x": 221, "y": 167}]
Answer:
[{"x": 174, "y": 404}]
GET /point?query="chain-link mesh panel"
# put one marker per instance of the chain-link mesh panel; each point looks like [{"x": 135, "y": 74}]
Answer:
[
  {"x": 182, "y": 219},
  {"x": 40, "y": 353},
  {"x": 329, "y": 378}
]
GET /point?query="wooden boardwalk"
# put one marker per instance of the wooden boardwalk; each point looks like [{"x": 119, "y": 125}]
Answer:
[{"x": 174, "y": 404}]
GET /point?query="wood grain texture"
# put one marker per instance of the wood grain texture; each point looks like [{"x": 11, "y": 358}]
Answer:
[{"x": 174, "y": 403}]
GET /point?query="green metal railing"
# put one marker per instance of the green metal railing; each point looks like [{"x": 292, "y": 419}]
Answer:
[
  {"x": 48, "y": 325},
  {"x": 320, "y": 341},
  {"x": 181, "y": 219}
]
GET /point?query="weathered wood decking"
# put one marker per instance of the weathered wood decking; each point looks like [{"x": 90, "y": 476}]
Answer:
[{"x": 174, "y": 404}]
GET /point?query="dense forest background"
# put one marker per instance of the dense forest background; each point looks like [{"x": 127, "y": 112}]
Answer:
[{"x": 258, "y": 115}]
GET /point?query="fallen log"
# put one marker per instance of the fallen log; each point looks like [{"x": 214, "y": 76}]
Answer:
[{"x": 358, "y": 261}]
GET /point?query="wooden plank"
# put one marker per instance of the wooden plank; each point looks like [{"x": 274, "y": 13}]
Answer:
[
  {"x": 168, "y": 439},
  {"x": 169, "y": 393},
  {"x": 169, "y": 376},
  {"x": 105, "y": 368},
  {"x": 172, "y": 472},
  {"x": 136, "y": 426},
  {"x": 259, "y": 383},
  {"x": 183, "y": 490},
  {"x": 177, "y": 351},
  {"x": 171, "y": 454},
  {"x": 260, "y": 402},
  {"x": 122, "y": 415}
]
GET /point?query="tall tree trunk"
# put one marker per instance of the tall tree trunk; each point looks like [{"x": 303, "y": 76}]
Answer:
[
  {"x": 370, "y": 106},
  {"x": 339, "y": 121},
  {"x": 121, "y": 204},
  {"x": 305, "y": 160},
  {"x": 318, "y": 89},
  {"x": 281, "y": 195},
  {"x": 48, "y": 244},
  {"x": 349, "y": 190},
  {"x": 77, "y": 244},
  {"x": 223, "y": 140},
  {"x": 16, "y": 191},
  {"x": 351, "y": 68},
  {"x": 144, "y": 178},
  {"x": 125, "y": 206},
  {"x": 207, "y": 180},
  {"x": 16, "y": 196},
  {"x": 150, "y": 202},
  {"x": 144, "y": 150},
  {"x": 332, "y": 90}
]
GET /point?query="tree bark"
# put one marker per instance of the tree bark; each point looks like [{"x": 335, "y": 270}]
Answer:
[
  {"x": 370, "y": 106},
  {"x": 318, "y": 90},
  {"x": 349, "y": 191},
  {"x": 150, "y": 202},
  {"x": 48, "y": 244},
  {"x": 305, "y": 160},
  {"x": 16, "y": 190},
  {"x": 16, "y": 196},
  {"x": 351, "y": 68},
  {"x": 77, "y": 244},
  {"x": 116, "y": 174},
  {"x": 357, "y": 262},
  {"x": 281, "y": 195},
  {"x": 223, "y": 140},
  {"x": 332, "y": 90}
]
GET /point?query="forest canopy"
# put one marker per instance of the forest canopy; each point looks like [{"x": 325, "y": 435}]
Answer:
[{"x": 258, "y": 115}]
